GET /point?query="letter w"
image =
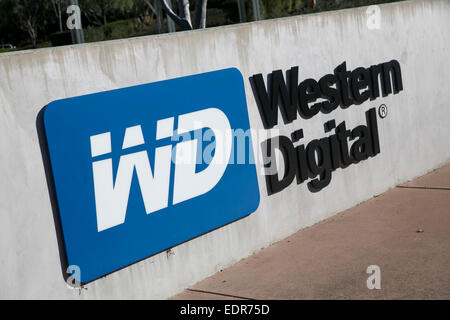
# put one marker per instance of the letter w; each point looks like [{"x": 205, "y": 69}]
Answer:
[
  {"x": 277, "y": 94},
  {"x": 111, "y": 199}
]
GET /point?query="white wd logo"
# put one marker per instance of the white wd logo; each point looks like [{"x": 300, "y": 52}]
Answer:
[{"x": 111, "y": 195}]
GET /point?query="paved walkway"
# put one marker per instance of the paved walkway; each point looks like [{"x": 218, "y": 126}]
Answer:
[{"x": 329, "y": 260}]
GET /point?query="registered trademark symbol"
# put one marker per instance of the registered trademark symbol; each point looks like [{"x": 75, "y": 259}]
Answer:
[{"x": 382, "y": 111}]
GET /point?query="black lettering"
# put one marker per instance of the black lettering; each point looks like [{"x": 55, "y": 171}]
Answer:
[
  {"x": 392, "y": 68},
  {"x": 320, "y": 165},
  {"x": 308, "y": 91},
  {"x": 286, "y": 147},
  {"x": 361, "y": 147},
  {"x": 344, "y": 88},
  {"x": 375, "y": 73},
  {"x": 371, "y": 120},
  {"x": 329, "y": 93},
  {"x": 343, "y": 134},
  {"x": 278, "y": 96},
  {"x": 360, "y": 79},
  {"x": 302, "y": 164},
  {"x": 342, "y": 74}
]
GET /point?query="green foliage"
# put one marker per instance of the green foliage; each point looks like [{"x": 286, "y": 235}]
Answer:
[
  {"x": 100, "y": 12},
  {"x": 9, "y": 33},
  {"x": 215, "y": 17},
  {"x": 114, "y": 30},
  {"x": 93, "y": 34},
  {"x": 120, "y": 29},
  {"x": 61, "y": 38},
  {"x": 278, "y": 8},
  {"x": 115, "y": 19},
  {"x": 326, "y": 5}
]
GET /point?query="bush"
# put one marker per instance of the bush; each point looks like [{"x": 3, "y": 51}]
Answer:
[
  {"x": 120, "y": 29},
  {"x": 114, "y": 30},
  {"x": 279, "y": 8},
  {"x": 93, "y": 34},
  {"x": 61, "y": 38},
  {"x": 215, "y": 17}
]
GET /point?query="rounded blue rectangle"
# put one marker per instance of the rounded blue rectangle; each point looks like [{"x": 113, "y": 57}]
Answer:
[{"x": 91, "y": 129}]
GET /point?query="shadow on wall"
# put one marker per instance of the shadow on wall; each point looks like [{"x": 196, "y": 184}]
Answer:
[{"x": 52, "y": 193}]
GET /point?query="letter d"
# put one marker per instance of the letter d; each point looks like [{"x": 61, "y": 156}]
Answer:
[{"x": 189, "y": 184}]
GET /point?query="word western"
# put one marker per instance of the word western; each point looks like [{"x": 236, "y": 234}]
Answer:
[
  {"x": 332, "y": 152},
  {"x": 320, "y": 157},
  {"x": 342, "y": 88}
]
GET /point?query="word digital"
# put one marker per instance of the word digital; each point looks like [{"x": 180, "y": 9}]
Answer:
[{"x": 321, "y": 156}]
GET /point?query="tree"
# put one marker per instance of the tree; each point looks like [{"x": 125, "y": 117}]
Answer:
[
  {"x": 97, "y": 12},
  {"x": 30, "y": 15},
  {"x": 58, "y": 6},
  {"x": 156, "y": 9},
  {"x": 9, "y": 33},
  {"x": 200, "y": 14},
  {"x": 184, "y": 19},
  {"x": 241, "y": 10},
  {"x": 279, "y": 8}
]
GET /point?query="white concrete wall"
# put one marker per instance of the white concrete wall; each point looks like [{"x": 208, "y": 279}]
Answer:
[{"x": 414, "y": 137}]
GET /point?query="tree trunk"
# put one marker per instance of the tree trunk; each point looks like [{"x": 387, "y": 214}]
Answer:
[
  {"x": 242, "y": 12},
  {"x": 60, "y": 17},
  {"x": 57, "y": 10},
  {"x": 170, "y": 22},
  {"x": 32, "y": 32},
  {"x": 200, "y": 14},
  {"x": 158, "y": 10},
  {"x": 183, "y": 5},
  {"x": 184, "y": 22},
  {"x": 256, "y": 10}
]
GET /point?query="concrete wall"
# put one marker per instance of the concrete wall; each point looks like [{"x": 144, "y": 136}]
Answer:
[{"x": 414, "y": 137}]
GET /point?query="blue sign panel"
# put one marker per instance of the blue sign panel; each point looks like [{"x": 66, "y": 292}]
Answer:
[{"x": 141, "y": 169}]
